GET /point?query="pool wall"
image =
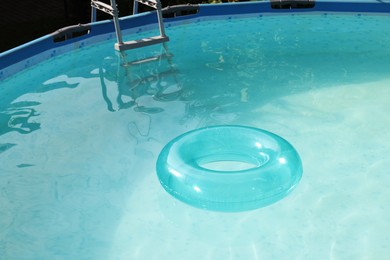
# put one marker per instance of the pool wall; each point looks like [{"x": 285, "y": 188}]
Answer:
[{"x": 46, "y": 47}]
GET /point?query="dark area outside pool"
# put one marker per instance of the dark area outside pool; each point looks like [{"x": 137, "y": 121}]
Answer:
[{"x": 26, "y": 20}]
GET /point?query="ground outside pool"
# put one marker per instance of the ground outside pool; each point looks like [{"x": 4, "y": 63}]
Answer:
[{"x": 80, "y": 134}]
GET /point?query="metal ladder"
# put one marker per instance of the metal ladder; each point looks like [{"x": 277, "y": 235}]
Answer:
[{"x": 113, "y": 10}]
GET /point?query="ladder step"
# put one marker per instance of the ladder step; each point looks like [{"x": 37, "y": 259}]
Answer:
[
  {"x": 151, "y": 3},
  {"x": 141, "y": 43},
  {"x": 149, "y": 59},
  {"x": 103, "y": 7}
]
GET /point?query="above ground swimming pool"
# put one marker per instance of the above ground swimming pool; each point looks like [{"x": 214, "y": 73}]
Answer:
[{"x": 82, "y": 128}]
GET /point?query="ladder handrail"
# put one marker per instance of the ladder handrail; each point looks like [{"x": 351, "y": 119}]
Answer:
[{"x": 151, "y": 3}]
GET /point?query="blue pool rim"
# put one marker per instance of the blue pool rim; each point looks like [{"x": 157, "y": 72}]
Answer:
[
  {"x": 275, "y": 170},
  {"x": 31, "y": 53}
]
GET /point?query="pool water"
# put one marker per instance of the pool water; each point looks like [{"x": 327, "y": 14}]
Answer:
[{"x": 80, "y": 135}]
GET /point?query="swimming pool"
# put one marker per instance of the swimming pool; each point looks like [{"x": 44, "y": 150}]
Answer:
[{"x": 81, "y": 132}]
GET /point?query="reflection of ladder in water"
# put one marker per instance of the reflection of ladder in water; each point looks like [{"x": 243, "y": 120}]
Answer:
[
  {"x": 135, "y": 79},
  {"x": 112, "y": 10}
]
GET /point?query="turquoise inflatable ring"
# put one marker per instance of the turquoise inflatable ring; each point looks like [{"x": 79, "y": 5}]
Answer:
[{"x": 274, "y": 170}]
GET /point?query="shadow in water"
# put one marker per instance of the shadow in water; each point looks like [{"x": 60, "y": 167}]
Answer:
[{"x": 6, "y": 146}]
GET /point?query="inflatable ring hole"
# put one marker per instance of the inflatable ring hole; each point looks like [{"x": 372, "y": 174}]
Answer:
[
  {"x": 232, "y": 162},
  {"x": 228, "y": 166}
]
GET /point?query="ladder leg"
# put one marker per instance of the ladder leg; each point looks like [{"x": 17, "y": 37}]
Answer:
[
  {"x": 135, "y": 7},
  {"x": 160, "y": 19},
  {"x": 118, "y": 31},
  {"x": 93, "y": 14}
]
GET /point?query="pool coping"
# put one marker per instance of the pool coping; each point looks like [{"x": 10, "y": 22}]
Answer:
[{"x": 43, "y": 48}]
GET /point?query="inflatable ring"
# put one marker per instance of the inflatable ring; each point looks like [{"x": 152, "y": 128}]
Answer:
[{"x": 273, "y": 168}]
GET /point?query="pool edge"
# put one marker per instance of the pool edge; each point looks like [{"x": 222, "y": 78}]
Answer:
[{"x": 43, "y": 48}]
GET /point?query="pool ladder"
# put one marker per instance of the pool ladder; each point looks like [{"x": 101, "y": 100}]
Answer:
[{"x": 113, "y": 10}]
